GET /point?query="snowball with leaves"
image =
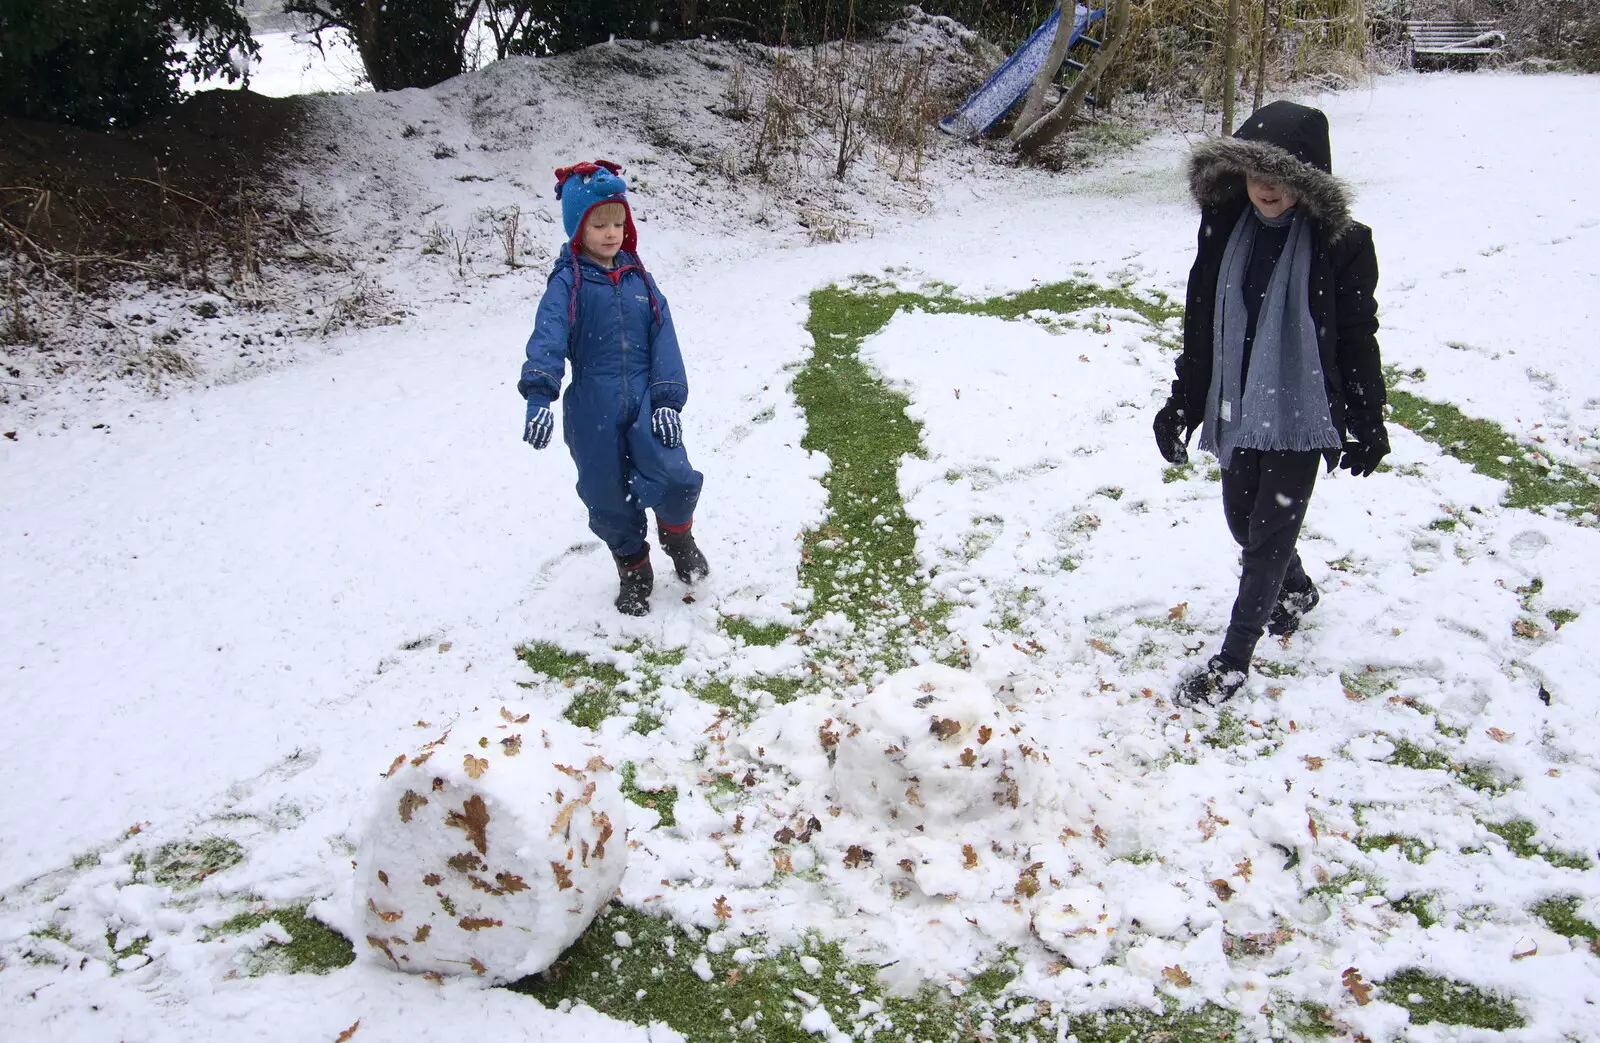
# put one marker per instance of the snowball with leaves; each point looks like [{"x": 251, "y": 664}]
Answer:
[{"x": 490, "y": 850}]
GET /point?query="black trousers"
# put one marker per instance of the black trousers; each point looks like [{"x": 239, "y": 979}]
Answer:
[{"x": 1264, "y": 496}]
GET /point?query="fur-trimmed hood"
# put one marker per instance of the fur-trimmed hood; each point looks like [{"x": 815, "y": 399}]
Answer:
[{"x": 1282, "y": 142}]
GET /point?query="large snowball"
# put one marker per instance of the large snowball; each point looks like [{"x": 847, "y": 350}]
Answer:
[
  {"x": 932, "y": 748},
  {"x": 491, "y": 849}
]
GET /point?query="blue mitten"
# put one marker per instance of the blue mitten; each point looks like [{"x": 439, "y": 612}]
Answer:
[
  {"x": 541, "y": 423},
  {"x": 669, "y": 431}
]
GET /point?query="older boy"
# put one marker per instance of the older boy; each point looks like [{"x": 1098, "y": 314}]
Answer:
[{"x": 1280, "y": 362}]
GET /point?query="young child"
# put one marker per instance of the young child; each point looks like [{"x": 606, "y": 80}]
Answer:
[
  {"x": 602, "y": 310},
  {"x": 1280, "y": 360}
]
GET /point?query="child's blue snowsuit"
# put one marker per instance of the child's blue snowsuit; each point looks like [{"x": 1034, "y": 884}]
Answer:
[{"x": 615, "y": 327}]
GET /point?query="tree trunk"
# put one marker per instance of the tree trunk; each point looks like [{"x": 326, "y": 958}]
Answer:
[
  {"x": 1261, "y": 59},
  {"x": 1048, "y": 127},
  {"x": 1034, "y": 106},
  {"x": 1230, "y": 65}
]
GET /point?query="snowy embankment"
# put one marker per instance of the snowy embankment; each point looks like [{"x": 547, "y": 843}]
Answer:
[{"x": 231, "y": 610}]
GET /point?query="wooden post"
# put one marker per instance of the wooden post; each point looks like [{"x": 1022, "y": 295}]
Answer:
[{"x": 1230, "y": 65}]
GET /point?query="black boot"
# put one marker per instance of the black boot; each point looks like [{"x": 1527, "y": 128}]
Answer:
[
  {"x": 687, "y": 561},
  {"x": 1292, "y": 604},
  {"x": 1214, "y": 685},
  {"x": 638, "y": 580}
]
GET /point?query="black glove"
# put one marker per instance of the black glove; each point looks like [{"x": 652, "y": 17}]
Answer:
[
  {"x": 1368, "y": 442},
  {"x": 1172, "y": 436},
  {"x": 1361, "y": 459}
]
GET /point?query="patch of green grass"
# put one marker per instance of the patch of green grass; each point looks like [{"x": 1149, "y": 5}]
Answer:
[
  {"x": 1339, "y": 884},
  {"x": 1430, "y": 998},
  {"x": 1487, "y": 449},
  {"x": 1408, "y": 754},
  {"x": 1481, "y": 776},
  {"x": 764, "y": 636},
  {"x": 554, "y": 662},
  {"x": 1560, "y": 914},
  {"x": 183, "y": 864},
  {"x": 595, "y": 697},
  {"x": 314, "y": 947},
  {"x": 1561, "y": 616},
  {"x": 136, "y": 947},
  {"x": 1311, "y": 1021},
  {"x": 783, "y": 689},
  {"x": 719, "y": 693},
  {"x": 1411, "y": 848},
  {"x": 1177, "y": 473},
  {"x": 654, "y": 979},
  {"x": 1274, "y": 670},
  {"x": 86, "y": 860},
  {"x": 861, "y": 561},
  {"x": 1421, "y": 904},
  {"x": 1367, "y": 684},
  {"x": 661, "y": 801},
  {"x": 1518, "y": 835},
  {"x": 1227, "y": 731}
]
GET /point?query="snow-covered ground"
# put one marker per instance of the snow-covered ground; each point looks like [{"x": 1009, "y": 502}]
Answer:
[{"x": 229, "y": 608}]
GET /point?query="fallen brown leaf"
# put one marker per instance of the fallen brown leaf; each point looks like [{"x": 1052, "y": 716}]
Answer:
[
  {"x": 1223, "y": 889},
  {"x": 383, "y": 946},
  {"x": 394, "y": 767},
  {"x": 857, "y": 857},
  {"x": 1362, "y": 991},
  {"x": 384, "y": 915},
  {"x": 969, "y": 856},
  {"x": 473, "y": 819},
  {"x": 344, "y": 1036},
  {"x": 1499, "y": 736},
  {"x": 1177, "y": 613},
  {"x": 944, "y": 727},
  {"x": 563, "y": 877},
  {"x": 477, "y": 923},
  {"x": 474, "y": 766},
  {"x": 410, "y": 801},
  {"x": 511, "y": 883},
  {"x": 721, "y": 908},
  {"x": 1178, "y": 976}
]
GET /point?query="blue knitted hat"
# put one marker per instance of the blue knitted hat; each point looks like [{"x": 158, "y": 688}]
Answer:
[{"x": 583, "y": 187}]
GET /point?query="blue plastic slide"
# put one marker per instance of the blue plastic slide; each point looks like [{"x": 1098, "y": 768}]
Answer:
[{"x": 1008, "y": 84}]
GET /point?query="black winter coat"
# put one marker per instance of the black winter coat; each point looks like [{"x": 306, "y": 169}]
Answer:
[{"x": 1288, "y": 144}]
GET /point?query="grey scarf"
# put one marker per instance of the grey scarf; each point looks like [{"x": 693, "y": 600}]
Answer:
[{"x": 1284, "y": 405}]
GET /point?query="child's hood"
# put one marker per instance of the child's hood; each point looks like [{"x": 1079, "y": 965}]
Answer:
[{"x": 1281, "y": 142}]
